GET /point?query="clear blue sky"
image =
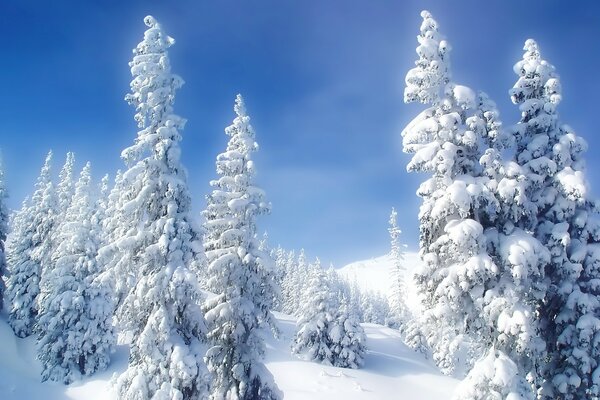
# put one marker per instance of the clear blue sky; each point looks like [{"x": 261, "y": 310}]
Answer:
[{"x": 322, "y": 80}]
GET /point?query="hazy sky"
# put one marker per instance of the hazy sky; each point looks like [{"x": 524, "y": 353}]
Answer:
[{"x": 322, "y": 81}]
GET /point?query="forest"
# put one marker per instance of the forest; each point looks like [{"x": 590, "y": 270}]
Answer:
[{"x": 508, "y": 281}]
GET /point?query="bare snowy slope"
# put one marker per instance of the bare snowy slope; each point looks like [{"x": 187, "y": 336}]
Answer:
[
  {"x": 374, "y": 274},
  {"x": 391, "y": 371}
]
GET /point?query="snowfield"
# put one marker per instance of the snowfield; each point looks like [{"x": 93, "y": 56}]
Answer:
[
  {"x": 374, "y": 274},
  {"x": 391, "y": 369}
]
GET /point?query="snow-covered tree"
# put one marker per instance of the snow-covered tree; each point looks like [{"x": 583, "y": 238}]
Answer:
[
  {"x": 64, "y": 191},
  {"x": 114, "y": 254},
  {"x": 66, "y": 185},
  {"x": 28, "y": 249},
  {"x": 432, "y": 69},
  {"x": 3, "y": 233},
  {"x": 482, "y": 277},
  {"x": 75, "y": 305},
  {"x": 456, "y": 200},
  {"x": 549, "y": 156},
  {"x": 495, "y": 376},
  {"x": 318, "y": 310},
  {"x": 398, "y": 310},
  {"x": 157, "y": 241},
  {"x": 374, "y": 307},
  {"x": 348, "y": 339},
  {"x": 240, "y": 273}
]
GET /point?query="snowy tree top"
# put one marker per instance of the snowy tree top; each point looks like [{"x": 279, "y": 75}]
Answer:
[
  {"x": 153, "y": 93},
  {"x": 425, "y": 82},
  {"x": 537, "y": 79}
]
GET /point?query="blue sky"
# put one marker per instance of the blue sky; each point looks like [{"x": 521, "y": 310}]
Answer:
[{"x": 322, "y": 80}]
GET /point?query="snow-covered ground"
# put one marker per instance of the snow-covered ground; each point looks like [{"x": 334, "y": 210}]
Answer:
[{"x": 391, "y": 370}]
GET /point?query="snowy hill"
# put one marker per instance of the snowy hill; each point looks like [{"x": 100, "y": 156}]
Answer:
[
  {"x": 391, "y": 369},
  {"x": 374, "y": 274}
]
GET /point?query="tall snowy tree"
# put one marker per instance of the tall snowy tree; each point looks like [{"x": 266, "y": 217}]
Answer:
[
  {"x": 3, "y": 233},
  {"x": 455, "y": 200},
  {"x": 64, "y": 192},
  {"x": 157, "y": 241},
  {"x": 240, "y": 273},
  {"x": 565, "y": 220},
  {"x": 76, "y": 335},
  {"x": 483, "y": 274},
  {"x": 399, "y": 312},
  {"x": 28, "y": 252}
]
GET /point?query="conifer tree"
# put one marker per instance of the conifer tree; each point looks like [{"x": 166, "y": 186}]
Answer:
[
  {"x": 456, "y": 201},
  {"x": 317, "y": 317},
  {"x": 240, "y": 273},
  {"x": 28, "y": 250},
  {"x": 3, "y": 233},
  {"x": 156, "y": 241},
  {"x": 66, "y": 185},
  {"x": 76, "y": 335},
  {"x": 399, "y": 312},
  {"x": 565, "y": 219}
]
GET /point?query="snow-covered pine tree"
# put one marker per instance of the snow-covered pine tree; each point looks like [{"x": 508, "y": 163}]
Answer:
[
  {"x": 318, "y": 310},
  {"x": 66, "y": 185},
  {"x": 64, "y": 193},
  {"x": 456, "y": 201},
  {"x": 240, "y": 274},
  {"x": 75, "y": 306},
  {"x": 101, "y": 214},
  {"x": 288, "y": 284},
  {"x": 348, "y": 339},
  {"x": 28, "y": 250},
  {"x": 157, "y": 240},
  {"x": 114, "y": 254},
  {"x": 279, "y": 256},
  {"x": 398, "y": 310},
  {"x": 300, "y": 278},
  {"x": 565, "y": 220},
  {"x": 495, "y": 376},
  {"x": 3, "y": 233}
]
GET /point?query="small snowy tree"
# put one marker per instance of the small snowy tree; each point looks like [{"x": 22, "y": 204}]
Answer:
[
  {"x": 317, "y": 317},
  {"x": 399, "y": 312},
  {"x": 76, "y": 335},
  {"x": 28, "y": 250},
  {"x": 3, "y": 234},
  {"x": 157, "y": 241},
  {"x": 348, "y": 339},
  {"x": 66, "y": 185},
  {"x": 240, "y": 273}
]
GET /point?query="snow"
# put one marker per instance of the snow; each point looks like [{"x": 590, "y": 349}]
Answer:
[
  {"x": 374, "y": 274},
  {"x": 390, "y": 367}
]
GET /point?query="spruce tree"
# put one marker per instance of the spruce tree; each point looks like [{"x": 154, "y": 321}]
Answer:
[
  {"x": 565, "y": 219},
  {"x": 66, "y": 185},
  {"x": 156, "y": 241},
  {"x": 76, "y": 335},
  {"x": 28, "y": 251},
  {"x": 398, "y": 309},
  {"x": 3, "y": 234},
  {"x": 317, "y": 316},
  {"x": 240, "y": 273},
  {"x": 456, "y": 202}
]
